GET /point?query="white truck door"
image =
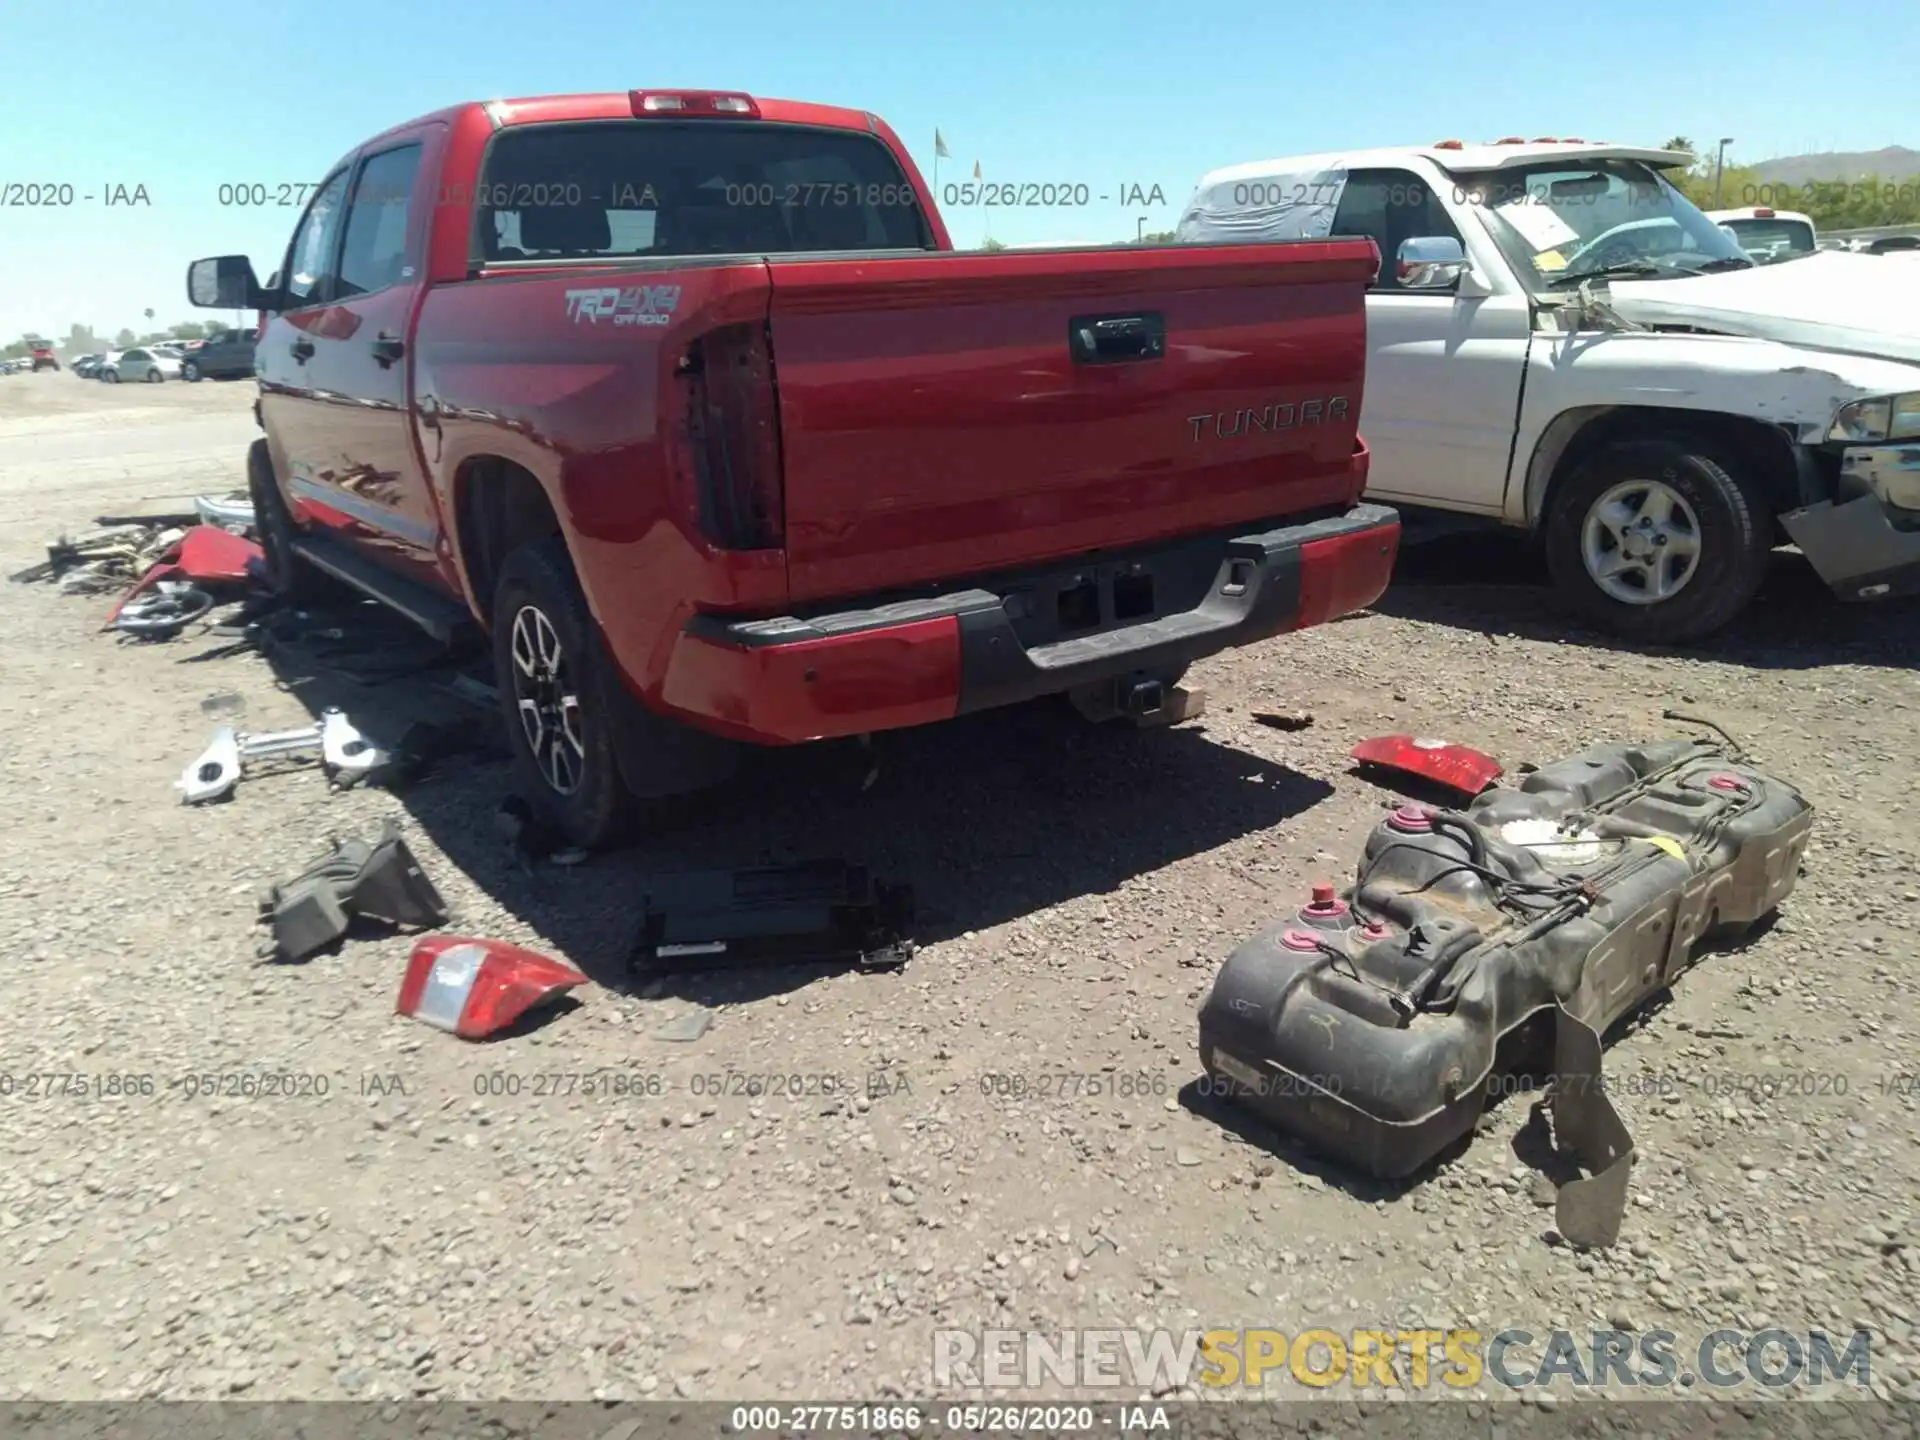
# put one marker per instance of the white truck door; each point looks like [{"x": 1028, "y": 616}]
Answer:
[{"x": 1443, "y": 369}]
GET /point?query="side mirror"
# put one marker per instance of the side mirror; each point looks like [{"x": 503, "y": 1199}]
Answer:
[
  {"x": 226, "y": 282},
  {"x": 1431, "y": 262}
]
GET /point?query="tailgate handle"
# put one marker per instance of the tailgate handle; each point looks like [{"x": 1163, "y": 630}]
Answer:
[{"x": 1112, "y": 339}]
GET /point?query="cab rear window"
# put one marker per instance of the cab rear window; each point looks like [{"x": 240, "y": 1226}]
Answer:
[{"x": 637, "y": 188}]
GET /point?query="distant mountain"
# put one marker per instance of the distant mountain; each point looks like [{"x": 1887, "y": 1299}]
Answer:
[{"x": 1896, "y": 162}]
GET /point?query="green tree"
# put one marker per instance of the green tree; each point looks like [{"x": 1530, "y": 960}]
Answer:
[
  {"x": 188, "y": 330},
  {"x": 125, "y": 340},
  {"x": 1836, "y": 204},
  {"x": 992, "y": 244},
  {"x": 1156, "y": 237},
  {"x": 80, "y": 339}
]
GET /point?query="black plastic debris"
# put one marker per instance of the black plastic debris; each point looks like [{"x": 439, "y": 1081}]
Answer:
[
  {"x": 377, "y": 880},
  {"x": 819, "y": 912}
]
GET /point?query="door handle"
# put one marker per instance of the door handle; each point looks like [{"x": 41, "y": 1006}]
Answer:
[
  {"x": 387, "y": 348},
  {"x": 301, "y": 350},
  {"x": 1115, "y": 339}
]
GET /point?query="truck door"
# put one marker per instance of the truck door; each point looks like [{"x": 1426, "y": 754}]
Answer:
[
  {"x": 363, "y": 465},
  {"x": 1443, "y": 370},
  {"x": 288, "y": 343}
]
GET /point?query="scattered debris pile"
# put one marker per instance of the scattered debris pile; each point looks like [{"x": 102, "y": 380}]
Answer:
[
  {"x": 1371, "y": 1022},
  {"x": 100, "y": 561},
  {"x": 171, "y": 568}
]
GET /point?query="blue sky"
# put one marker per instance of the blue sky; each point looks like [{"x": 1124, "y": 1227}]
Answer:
[{"x": 182, "y": 96}]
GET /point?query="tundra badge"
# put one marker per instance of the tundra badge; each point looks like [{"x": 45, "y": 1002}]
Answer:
[
  {"x": 633, "y": 305},
  {"x": 1231, "y": 424}
]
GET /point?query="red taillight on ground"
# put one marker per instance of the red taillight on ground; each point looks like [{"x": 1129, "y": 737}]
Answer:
[
  {"x": 472, "y": 988},
  {"x": 733, "y": 437},
  {"x": 1459, "y": 767}
]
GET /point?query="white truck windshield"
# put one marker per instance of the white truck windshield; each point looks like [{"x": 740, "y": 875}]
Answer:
[{"x": 1564, "y": 220}]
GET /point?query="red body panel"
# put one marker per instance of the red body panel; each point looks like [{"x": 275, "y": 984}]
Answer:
[
  {"x": 934, "y": 423},
  {"x": 933, "y": 426}
]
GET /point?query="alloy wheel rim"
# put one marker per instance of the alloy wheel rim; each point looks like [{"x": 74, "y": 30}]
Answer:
[
  {"x": 1641, "y": 542},
  {"x": 547, "y": 703}
]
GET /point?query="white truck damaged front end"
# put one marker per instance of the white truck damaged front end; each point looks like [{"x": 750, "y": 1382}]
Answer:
[{"x": 1559, "y": 341}]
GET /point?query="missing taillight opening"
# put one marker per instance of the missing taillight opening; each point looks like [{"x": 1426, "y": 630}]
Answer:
[{"x": 733, "y": 437}]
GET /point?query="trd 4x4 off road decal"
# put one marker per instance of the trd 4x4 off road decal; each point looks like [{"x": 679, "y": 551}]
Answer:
[{"x": 632, "y": 305}]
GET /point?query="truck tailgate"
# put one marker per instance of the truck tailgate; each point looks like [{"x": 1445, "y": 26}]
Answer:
[{"x": 951, "y": 415}]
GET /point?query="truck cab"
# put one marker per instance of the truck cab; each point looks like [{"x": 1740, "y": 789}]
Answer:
[
  {"x": 1560, "y": 342},
  {"x": 1768, "y": 235}
]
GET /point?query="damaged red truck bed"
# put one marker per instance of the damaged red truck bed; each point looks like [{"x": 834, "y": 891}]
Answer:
[{"x": 688, "y": 401}]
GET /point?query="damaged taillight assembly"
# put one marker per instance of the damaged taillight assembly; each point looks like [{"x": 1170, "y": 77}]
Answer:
[
  {"x": 1457, "y": 767},
  {"x": 474, "y": 988}
]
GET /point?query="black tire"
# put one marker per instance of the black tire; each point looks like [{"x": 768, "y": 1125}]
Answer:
[
  {"x": 113, "y": 377},
  {"x": 190, "y": 371},
  {"x": 560, "y": 697},
  {"x": 154, "y": 376},
  {"x": 1730, "y": 521},
  {"x": 288, "y": 577}
]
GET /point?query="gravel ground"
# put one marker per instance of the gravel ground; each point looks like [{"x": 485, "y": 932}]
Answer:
[{"x": 408, "y": 1233}]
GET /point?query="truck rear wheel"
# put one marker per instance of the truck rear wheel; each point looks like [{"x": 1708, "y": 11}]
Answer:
[
  {"x": 289, "y": 578},
  {"x": 1659, "y": 540},
  {"x": 561, "y": 697}
]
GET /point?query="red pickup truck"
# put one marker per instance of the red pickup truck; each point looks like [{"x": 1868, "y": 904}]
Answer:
[{"x": 687, "y": 400}]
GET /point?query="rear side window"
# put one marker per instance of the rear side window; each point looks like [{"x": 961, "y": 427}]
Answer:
[
  {"x": 590, "y": 190},
  {"x": 375, "y": 253}
]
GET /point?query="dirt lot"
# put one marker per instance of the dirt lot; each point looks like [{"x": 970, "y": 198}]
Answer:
[{"x": 410, "y": 1233}]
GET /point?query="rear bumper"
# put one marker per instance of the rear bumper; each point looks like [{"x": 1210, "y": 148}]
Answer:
[{"x": 792, "y": 679}]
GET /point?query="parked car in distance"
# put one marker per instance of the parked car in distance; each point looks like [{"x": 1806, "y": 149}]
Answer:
[
  {"x": 687, "y": 435},
  {"x": 140, "y": 364},
  {"x": 85, "y": 365},
  {"x": 223, "y": 355},
  {"x": 44, "y": 358},
  {"x": 1768, "y": 235},
  {"x": 1562, "y": 343}
]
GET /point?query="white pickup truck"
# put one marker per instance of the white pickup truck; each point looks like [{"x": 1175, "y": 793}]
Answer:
[{"x": 1560, "y": 342}]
